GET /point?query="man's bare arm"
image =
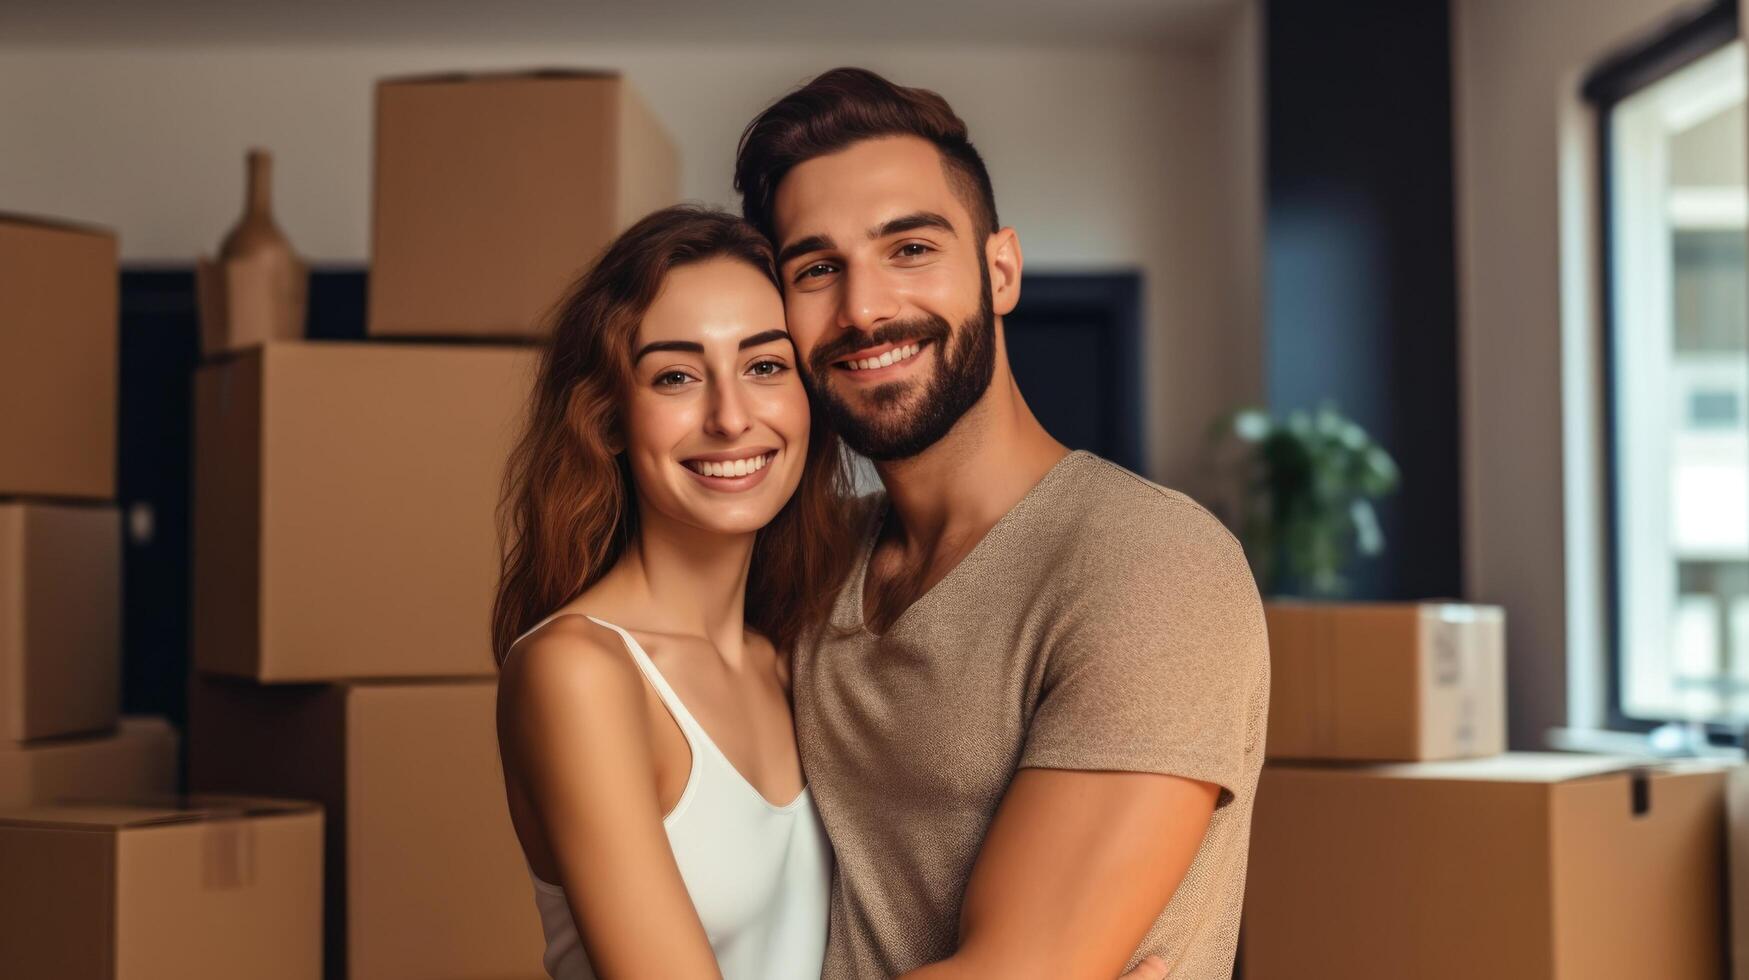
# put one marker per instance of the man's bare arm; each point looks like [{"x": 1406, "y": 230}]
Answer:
[{"x": 1075, "y": 869}]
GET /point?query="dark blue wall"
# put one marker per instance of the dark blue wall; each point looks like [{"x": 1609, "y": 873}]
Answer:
[{"x": 1361, "y": 296}]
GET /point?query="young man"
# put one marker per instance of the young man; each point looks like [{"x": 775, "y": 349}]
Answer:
[{"x": 1034, "y": 724}]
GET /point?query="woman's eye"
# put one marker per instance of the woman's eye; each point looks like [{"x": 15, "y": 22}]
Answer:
[
  {"x": 672, "y": 379},
  {"x": 767, "y": 369}
]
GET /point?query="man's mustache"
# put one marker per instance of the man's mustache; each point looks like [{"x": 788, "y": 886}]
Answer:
[{"x": 847, "y": 344}]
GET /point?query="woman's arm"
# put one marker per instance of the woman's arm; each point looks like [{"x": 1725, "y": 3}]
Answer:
[{"x": 573, "y": 725}]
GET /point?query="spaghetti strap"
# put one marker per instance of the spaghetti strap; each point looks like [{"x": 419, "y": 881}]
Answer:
[
  {"x": 689, "y": 725},
  {"x": 527, "y": 632},
  {"x": 648, "y": 668}
]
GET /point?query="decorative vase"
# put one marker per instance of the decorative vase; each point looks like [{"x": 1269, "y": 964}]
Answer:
[{"x": 257, "y": 289}]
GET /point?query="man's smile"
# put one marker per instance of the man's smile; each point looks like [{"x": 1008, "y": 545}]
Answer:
[{"x": 881, "y": 363}]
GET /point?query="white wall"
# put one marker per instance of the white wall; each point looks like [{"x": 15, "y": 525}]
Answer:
[
  {"x": 1529, "y": 337},
  {"x": 1102, "y": 157}
]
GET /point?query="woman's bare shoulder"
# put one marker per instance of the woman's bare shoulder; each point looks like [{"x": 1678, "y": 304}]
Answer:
[{"x": 569, "y": 663}]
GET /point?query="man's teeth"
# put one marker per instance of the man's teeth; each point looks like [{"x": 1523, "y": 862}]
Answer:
[
  {"x": 893, "y": 356},
  {"x": 730, "y": 467}
]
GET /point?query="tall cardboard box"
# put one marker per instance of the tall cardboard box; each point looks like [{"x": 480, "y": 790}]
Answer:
[
  {"x": 58, "y": 361},
  {"x": 493, "y": 192},
  {"x": 137, "y": 761},
  {"x": 60, "y": 619},
  {"x": 211, "y": 888},
  {"x": 425, "y": 877},
  {"x": 1402, "y": 681},
  {"x": 344, "y": 502},
  {"x": 1519, "y": 867}
]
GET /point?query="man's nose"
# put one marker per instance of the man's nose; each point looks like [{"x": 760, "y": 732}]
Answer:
[{"x": 867, "y": 302}]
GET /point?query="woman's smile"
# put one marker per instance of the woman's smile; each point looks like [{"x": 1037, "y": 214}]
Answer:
[{"x": 731, "y": 472}]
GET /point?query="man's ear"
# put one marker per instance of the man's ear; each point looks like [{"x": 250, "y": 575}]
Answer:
[{"x": 1002, "y": 253}]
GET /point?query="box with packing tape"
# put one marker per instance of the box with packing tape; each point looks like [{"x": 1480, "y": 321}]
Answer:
[
  {"x": 1528, "y": 866},
  {"x": 1386, "y": 681},
  {"x": 425, "y": 876},
  {"x": 204, "y": 887},
  {"x": 494, "y": 191}
]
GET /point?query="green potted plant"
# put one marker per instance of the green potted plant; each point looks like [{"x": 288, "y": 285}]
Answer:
[{"x": 1309, "y": 482}]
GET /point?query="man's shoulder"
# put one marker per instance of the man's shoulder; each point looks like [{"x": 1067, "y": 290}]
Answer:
[
  {"x": 1132, "y": 559},
  {"x": 1102, "y": 506}
]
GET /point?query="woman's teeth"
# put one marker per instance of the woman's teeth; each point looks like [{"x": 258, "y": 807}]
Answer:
[
  {"x": 893, "y": 356},
  {"x": 730, "y": 467}
]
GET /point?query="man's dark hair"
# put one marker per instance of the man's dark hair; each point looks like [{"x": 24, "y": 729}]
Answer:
[{"x": 842, "y": 107}]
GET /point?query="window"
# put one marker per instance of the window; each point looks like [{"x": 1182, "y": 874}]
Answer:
[{"x": 1675, "y": 157}]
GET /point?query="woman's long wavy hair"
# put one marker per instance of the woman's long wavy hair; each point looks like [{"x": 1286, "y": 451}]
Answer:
[{"x": 569, "y": 509}]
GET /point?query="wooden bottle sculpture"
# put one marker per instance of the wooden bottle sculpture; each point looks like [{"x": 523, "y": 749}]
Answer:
[{"x": 257, "y": 289}]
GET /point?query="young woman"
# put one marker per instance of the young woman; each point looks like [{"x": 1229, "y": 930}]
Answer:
[{"x": 674, "y": 519}]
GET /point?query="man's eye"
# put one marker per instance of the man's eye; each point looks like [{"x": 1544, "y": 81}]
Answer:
[
  {"x": 815, "y": 271},
  {"x": 914, "y": 249}
]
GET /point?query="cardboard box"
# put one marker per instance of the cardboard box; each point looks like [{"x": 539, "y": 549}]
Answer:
[
  {"x": 136, "y": 761},
  {"x": 58, "y": 359},
  {"x": 209, "y": 888},
  {"x": 1386, "y": 681},
  {"x": 493, "y": 192},
  {"x": 1737, "y": 819},
  {"x": 1552, "y": 867},
  {"x": 425, "y": 876},
  {"x": 60, "y": 619},
  {"x": 344, "y": 501}
]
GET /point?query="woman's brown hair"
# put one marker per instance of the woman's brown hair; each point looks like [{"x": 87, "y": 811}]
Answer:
[{"x": 569, "y": 509}]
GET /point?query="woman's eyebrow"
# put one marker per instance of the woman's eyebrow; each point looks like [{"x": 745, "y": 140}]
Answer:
[
  {"x": 694, "y": 347},
  {"x": 685, "y": 346},
  {"x": 764, "y": 338}
]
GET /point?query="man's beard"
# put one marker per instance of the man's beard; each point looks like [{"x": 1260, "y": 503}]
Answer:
[{"x": 962, "y": 376}]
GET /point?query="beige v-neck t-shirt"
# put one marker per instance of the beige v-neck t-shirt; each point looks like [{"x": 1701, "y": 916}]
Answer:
[{"x": 1104, "y": 623}]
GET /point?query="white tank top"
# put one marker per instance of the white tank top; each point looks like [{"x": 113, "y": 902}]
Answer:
[{"x": 759, "y": 874}]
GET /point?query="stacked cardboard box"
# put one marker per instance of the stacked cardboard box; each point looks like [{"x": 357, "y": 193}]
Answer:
[
  {"x": 1524, "y": 865},
  {"x": 494, "y": 191},
  {"x": 203, "y": 888},
  {"x": 1737, "y": 860},
  {"x": 63, "y": 742},
  {"x": 1395, "y": 682},
  {"x": 1394, "y": 836},
  {"x": 60, "y": 530},
  {"x": 345, "y": 495}
]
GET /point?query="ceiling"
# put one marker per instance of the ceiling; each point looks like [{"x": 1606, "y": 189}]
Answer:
[{"x": 133, "y": 22}]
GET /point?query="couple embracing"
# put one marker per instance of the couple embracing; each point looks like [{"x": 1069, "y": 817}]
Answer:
[{"x": 1003, "y": 719}]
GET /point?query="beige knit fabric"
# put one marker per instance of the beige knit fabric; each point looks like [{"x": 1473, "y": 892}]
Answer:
[{"x": 1104, "y": 623}]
